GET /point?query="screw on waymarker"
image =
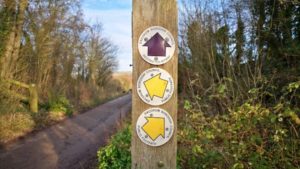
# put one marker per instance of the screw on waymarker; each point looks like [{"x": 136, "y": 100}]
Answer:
[{"x": 160, "y": 164}]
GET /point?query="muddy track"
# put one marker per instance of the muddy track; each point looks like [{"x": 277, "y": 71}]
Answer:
[{"x": 69, "y": 144}]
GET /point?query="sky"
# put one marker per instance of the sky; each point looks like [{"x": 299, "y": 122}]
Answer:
[{"x": 115, "y": 16}]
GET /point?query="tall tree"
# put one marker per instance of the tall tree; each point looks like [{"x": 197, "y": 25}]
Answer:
[{"x": 15, "y": 13}]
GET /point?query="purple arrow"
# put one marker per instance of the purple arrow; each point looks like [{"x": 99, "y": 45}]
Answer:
[{"x": 157, "y": 45}]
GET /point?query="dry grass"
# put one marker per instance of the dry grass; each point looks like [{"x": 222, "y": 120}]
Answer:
[
  {"x": 15, "y": 125},
  {"x": 125, "y": 79}
]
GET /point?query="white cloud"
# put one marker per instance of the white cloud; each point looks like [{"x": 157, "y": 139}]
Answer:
[{"x": 117, "y": 28}]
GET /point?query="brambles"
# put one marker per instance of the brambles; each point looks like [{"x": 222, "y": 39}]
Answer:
[
  {"x": 116, "y": 155},
  {"x": 250, "y": 136}
]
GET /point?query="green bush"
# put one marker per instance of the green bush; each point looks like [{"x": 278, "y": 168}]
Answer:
[
  {"x": 250, "y": 136},
  {"x": 116, "y": 155},
  {"x": 59, "y": 103}
]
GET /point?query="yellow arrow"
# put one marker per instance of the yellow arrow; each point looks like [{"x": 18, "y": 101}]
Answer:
[
  {"x": 156, "y": 86},
  {"x": 155, "y": 127}
]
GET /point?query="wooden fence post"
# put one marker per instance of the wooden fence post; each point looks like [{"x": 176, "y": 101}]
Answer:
[
  {"x": 33, "y": 98},
  {"x": 155, "y": 27}
]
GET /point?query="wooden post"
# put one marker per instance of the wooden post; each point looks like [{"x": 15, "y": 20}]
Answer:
[
  {"x": 148, "y": 13},
  {"x": 33, "y": 98}
]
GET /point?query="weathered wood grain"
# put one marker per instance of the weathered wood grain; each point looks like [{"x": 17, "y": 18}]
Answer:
[{"x": 147, "y": 13}]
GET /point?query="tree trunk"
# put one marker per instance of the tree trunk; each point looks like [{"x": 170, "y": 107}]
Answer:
[{"x": 12, "y": 48}]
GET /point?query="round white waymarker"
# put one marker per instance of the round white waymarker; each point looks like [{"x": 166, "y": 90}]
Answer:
[
  {"x": 155, "y": 86},
  {"x": 156, "y": 45},
  {"x": 155, "y": 127}
]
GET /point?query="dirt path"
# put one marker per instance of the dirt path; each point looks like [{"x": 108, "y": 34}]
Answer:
[{"x": 69, "y": 144}]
